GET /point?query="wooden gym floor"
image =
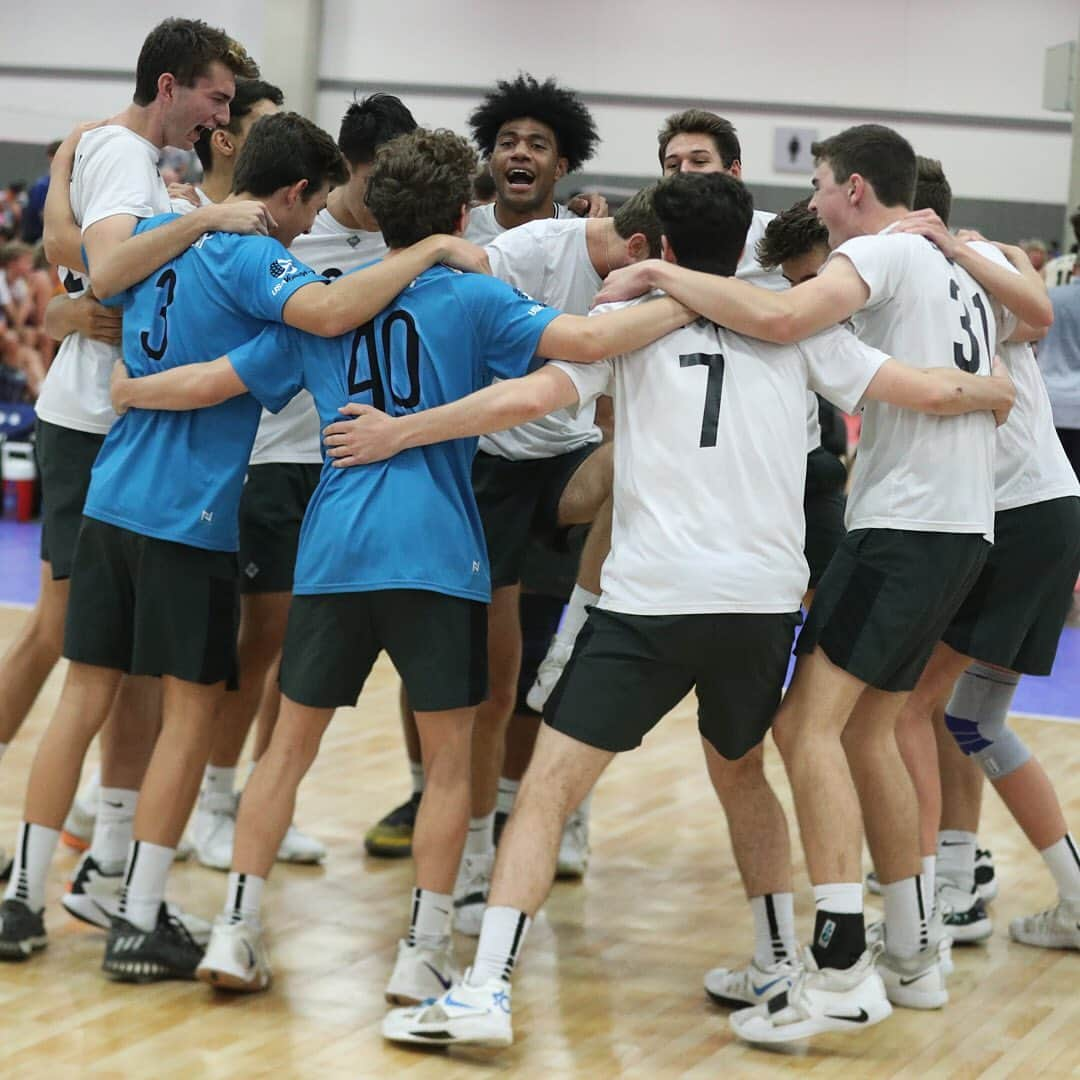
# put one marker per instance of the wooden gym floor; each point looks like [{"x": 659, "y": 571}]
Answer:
[{"x": 610, "y": 982}]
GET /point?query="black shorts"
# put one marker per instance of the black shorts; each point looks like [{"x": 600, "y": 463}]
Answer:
[
  {"x": 551, "y": 562},
  {"x": 886, "y": 599},
  {"x": 438, "y": 644},
  {"x": 272, "y": 510},
  {"x": 628, "y": 671},
  {"x": 1015, "y": 612},
  {"x": 540, "y": 617},
  {"x": 65, "y": 458},
  {"x": 518, "y": 500},
  {"x": 151, "y": 607},
  {"x": 823, "y": 505}
]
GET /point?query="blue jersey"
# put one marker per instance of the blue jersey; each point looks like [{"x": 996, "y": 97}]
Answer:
[
  {"x": 178, "y": 475},
  {"x": 409, "y": 522}
]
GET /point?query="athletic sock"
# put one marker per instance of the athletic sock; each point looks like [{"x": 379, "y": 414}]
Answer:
[
  {"x": 929, "y": 877},
  {"x": 481, "y": 836},
  {"x": 906, "y": 917},
  {"x": 839, "y": 929},
  {"x": 576, "y": 614},
  {"x": 774, "y": 928},
  {"x": 956, "y": 858},
  {"x": 144, "y": 883},
  {"x": 112, "y": 828},
  {"x": 219, "y": 780},
  {"x": 416, "y": 769},
  {"x": 1063, "y": 861},
  {"x": 502, "y": 934},
  {"x": 243, "y": 898},
  {"x": 429, "y": 924},
  {"x": 33, "y": 854},
  {"x": 504, "y": 800}
]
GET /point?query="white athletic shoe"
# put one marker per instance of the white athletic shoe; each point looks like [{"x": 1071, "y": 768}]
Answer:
[
  {"x": 819, "y": 1000},
  {"x": 298, "y": 847},
  {"x": 421, "y": 974},
  {"x": 875, "y": 937},
  {"x": 1056, "y": 928},
  {"x": 963, "y": 913},
  {"x": 917, "y": 982},
  {"x": 471, "y": 891},
  {"x": 478, "y": 1015},
  {"x": 78, "y": 828},
  {"x": 751, "y": 985},
  {"x": 548, "y": 673},
  {"x": 236, "y": 957},
  {"x": 574, "y": 846},
  {"x": 214, "y": 829}
]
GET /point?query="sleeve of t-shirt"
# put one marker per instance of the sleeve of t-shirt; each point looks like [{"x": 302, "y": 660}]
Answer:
[
  {"x": 590, "y": 380},
  {"x": 271, "y": 365},
  {"x": 508, "y": 324},
  {"x": 117, "y": 178},
  {"x": 270, "y": 275},
  {"x": 516, "y": 258},
  {"x": 840, "y": 367},
  {"x": 881, "y": 261},
  {"x": 1006, "y": 320}
]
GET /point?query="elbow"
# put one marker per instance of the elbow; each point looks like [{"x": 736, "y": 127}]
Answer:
[
  {"x": 52, "y": 249},
  {"x": 782, "y": 328},
  {"x": 103, "y": 285},
  {"x": 1046, "y": 316}
]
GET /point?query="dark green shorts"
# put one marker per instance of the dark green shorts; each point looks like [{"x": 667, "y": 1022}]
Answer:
[
  {"x": 64, "y": 460},
  {"x": 438, "y": 644},
  {"x": 151, "y": 607},
  {"x": 886, "y": 599},
  {"x": 272, "y": 510},
  {"x": 823, "y": 506},
  {"x": 519, "y": 500},
  {"x": 628, "y": 671},
  {"x": 1015, "y": 612}
]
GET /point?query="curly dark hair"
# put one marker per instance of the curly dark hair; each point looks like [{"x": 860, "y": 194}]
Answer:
[
  {"x": 561, "y": 110},
  {"x": 793, "y": 232},
  {"x": 419, "y": 183}
]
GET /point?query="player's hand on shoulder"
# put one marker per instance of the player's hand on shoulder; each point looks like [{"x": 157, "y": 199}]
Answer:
[
  {"x": 462, "y": 255},
  {"x": 624, "y": 284},
  {"x": 185, "y": 191},
  {"x": 588, "y": 204},
  {"x": 245, "y": 216},
  {"x": 118, "y": 387},
  {"x": 368, "y": 436},
  {"x": 999, "y": 371},
  {"x": 927, "y": 223},
  {"x": 94, "y": 320}
]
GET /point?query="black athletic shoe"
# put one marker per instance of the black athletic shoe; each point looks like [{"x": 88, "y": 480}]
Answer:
[
  {"x": 6, "y": 863},
  {"x": 166, "y": 952},
  {"x": 22, "y": 931},
  {"x": 963, "y": 914},
  {"x": 985, "y": 875},
  {"x": 391, "y": 838}
]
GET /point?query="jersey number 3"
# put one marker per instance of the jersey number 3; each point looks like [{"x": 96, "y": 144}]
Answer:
[
  {"x": 714, "y": 388},
  {"x": 166, "y": 285},
  {"x": 365, "y": 336}
]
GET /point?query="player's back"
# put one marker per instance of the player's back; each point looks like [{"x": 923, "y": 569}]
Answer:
[
  {"x": 178, "y": 475},
  {"x": 915, "y": 471}
]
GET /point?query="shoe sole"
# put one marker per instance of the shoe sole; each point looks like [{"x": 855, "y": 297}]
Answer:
[
  {"x": 443, "y": 1037},
  {"x": 300, "y": 860},
  {"x": 729, "y": 1002},
  {"x": 387, "y": 849},
  {"x": 570, "y": 873},
  {"x": 87, "y": 910},
  {"x": 227, "y": 980},
  {"x": 22, "y": 950},
  {"x": 142, "y": 971},
  {"x": 76, "y": 843},
  {"x": 908, "y": 999},
  {"x": 1053, "y": 943},
  {"x": 970, "y": 935},
  {"x": 402, "y": 999},
  {"x": 807, "y": 1029}
]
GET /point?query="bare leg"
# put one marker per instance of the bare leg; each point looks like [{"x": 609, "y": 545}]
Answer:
[
  {"x": 520, "y": 741},
  {"x": 408, "y": 728},
  {"x": 270, "y": 703},
  {"x": 1031, "y": 799},
  {"x": 961, "y": 781},
  {"x": 807, "y": 730},
  {"x": 562, "y": 773},
  {"x": 597, "y": 546},
  {"x": 175, "y": 772},
  {"x": 128, "y": 737}
]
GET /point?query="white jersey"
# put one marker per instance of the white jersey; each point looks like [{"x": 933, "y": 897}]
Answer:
[
  {"x": 482, "y": 226},
  {"x": 917, "y": 472},
  {"x": 1059, "y": 271},
  {"x": 293, "y": 434},
  {"x": 550, "y": 261},
  {"x": 710, "y": 465},
  {"x": 115, "y": 172},
  {"x": 1029, "y": 464},
  {"x": 181, "y": 205}
]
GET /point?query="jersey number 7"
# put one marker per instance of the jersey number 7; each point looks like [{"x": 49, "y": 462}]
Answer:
[{"x": 714, "y": 388}]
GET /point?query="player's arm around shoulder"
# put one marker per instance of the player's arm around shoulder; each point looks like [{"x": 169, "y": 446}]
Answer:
[
  {"x": 943, "y": 391},
  {"x": 190, "y": 386},
  {"x": 371, "y": 435}
]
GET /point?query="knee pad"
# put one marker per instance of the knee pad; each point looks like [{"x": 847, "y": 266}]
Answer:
[{"x": 977, "y": 717}]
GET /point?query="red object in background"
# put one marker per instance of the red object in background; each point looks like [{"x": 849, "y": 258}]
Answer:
[{"x": 24, "y": 499}]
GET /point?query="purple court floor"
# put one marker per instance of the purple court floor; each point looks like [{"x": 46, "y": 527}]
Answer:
[{"x": 1057, "y": 696}]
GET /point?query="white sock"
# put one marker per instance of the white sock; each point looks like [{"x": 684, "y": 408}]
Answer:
[
  {"x": 429, "y": 924},
  {"x": 416, "y": 768},
  {"x": 219, "y": 780},
  {"x": 244, "y": 898},
  {"x": 1063, "y": 861},
  {"x": 33, "y": 854},
  {"x": 502, "y": 933},
  {"x": 144, "y": 883},
  {"x": 956, "y": 858},
  {"x": 929, "y": 866},
  {"x": 574, "y": 618},
  {"x": 112, "y": 828},
  {"x": 841, "y": 898},
  {"x": 507, "y": 793},
  {"x": 774, "y": 928},
  {"x": 905, "y": 917},
  {"x": 481, "y": 836}
]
